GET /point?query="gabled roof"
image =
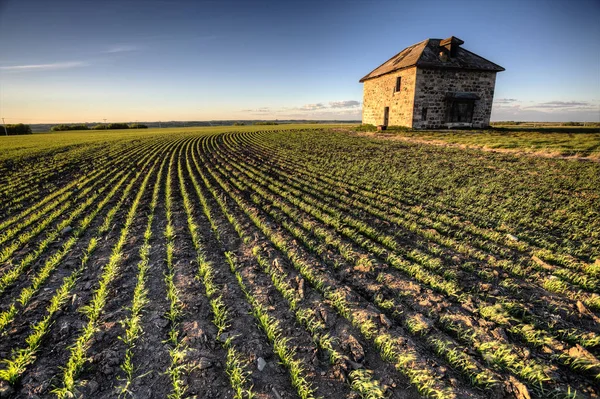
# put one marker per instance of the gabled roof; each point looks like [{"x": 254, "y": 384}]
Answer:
[{"x": 426, "y": 54}]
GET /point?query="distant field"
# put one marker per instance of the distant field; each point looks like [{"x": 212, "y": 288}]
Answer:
[
  {"x": 297, "y": 261},
  {"x": 564, "y": 141},
  {"x": 42, "y": 143}
]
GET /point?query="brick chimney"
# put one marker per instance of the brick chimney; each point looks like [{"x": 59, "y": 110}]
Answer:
[{"x": 451, "y": 44}]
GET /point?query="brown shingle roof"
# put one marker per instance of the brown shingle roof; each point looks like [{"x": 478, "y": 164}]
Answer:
[{"x": 425, "y": 54}]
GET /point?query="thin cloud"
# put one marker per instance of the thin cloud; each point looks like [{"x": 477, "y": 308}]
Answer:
[
  {"x": 505, "y": 100},
  {"x": 344, "y": 104},
  {"x": 122, "y": 48},
  {"x": 590, "y": 113},
  {"x": 348, "y": 107},
  {"x": 351, "y": 114},
  {"x": 312, "y": 107},
  {"x": 563, "y": 105},
  {"x": 261, "y": 109},
  {"x": 566, "y": 103},
  {"x": 44, "y": 67}
]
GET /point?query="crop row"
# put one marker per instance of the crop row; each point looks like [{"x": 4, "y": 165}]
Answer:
[
  {"x": 424, "y": 178},
  {"x": 525, "y": 330},
  {"x": 17, "y": 363},
  {"x": 45, "y": 174},
  {"x": 431, "y": 263},
  {"x": 355, "y": 279}
]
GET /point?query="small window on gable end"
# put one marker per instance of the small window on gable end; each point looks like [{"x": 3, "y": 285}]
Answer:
[
  {"x": 424, "y": 114},
  {"x": 398, "y": 84}
]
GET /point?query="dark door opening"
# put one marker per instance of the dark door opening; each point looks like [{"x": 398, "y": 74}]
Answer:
[
  {"x": 460, "y": 111},
  {"x": 386, "y": 116}
]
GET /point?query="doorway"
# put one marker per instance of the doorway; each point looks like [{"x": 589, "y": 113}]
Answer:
[
  {"x": 460, "y": 111},
  {"x": 386, "y": 116}
]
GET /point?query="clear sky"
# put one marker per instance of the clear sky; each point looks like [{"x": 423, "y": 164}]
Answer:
[{"x": 86, "y": 60}]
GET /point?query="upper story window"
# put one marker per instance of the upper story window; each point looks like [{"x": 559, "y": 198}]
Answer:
[{"x": 398, "y": 84}]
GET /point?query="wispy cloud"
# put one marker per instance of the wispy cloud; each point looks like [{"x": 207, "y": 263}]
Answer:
[
  {"x": 552, "y": 111},
  {"x": 348, "y": 109},
  {"x": 344, "y": 104},
  {"x": 329, "y": 113},
  {"x": 505, "y": 100},
  {"x": 562, "y": 104},
  {"x": 332, "y": 105},
  {"x": 44, "y": 67},
  {"x": 121, "y": 48},
  {"x": 312, "y": 107},
  {"x": 261, "y": 109}
]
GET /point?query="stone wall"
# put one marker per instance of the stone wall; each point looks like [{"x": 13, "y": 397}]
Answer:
[
  {"x": 426, "y": 88},
  {"x": 432, "y": 86},
  {"x": 379, "y": 93}
]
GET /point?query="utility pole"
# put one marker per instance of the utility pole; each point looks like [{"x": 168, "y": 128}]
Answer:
[
  {"x": 4, "y": 124},
  {"x": 104, "y": 123},
  {"x": 159, "y": 125}
]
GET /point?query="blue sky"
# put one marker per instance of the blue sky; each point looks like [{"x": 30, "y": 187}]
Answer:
[{"x": 82, "y": 60}]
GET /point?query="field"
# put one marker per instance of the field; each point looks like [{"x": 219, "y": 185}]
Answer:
[
  {"x": 557, "y": 141},
  {"x": 298, "y": 261}
]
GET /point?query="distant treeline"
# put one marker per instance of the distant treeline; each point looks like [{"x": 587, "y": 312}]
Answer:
[
  {"x": 63, "y": 128},
  {"x": 255, "y": 123},
  {"x": 100, "y": 126},
  {"x": 45, "y": 127},
  {"x": 18, "y": 129}
]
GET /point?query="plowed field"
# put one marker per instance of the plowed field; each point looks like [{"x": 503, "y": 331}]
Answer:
[{"x": 292, "y": 263}]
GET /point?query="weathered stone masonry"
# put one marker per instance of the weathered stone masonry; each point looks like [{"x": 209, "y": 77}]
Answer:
[
  {"x": 379, "y": 93},
  {"x": 441, "y": 85},
  {"x": 432, "y": 86}
]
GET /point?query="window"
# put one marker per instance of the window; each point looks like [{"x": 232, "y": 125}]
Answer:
[
  {"x": 424, "y": 114},
  {"x": 398, "y": 84},
  {"x": 460, "y": 111}
]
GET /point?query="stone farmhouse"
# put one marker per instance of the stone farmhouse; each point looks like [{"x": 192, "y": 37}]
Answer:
[{"x": 432, "y": 84}]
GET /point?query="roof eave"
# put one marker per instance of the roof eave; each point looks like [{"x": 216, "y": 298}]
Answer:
[
  {"x": 386, "y": 73},
  {"x": 426, "y": 66},
  {"x": 366, "y": 77},
  {"x": 499, "y": 68}
]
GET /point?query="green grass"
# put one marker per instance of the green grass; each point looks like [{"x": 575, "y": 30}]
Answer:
[
  {"x": 29, "y": 146},
  {"x": 582, "y": 141}
]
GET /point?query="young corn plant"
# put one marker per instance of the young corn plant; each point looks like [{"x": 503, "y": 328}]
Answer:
[
  {"x": 16, "y": 365},
  {"x": 236, "y": 368},
  {"x": 363, "y": 383},
  {"x": 21, "y": 358},
  {"x": 93, "y": 310},
  {"x": 275, "y": 335},
  {"x": 425, "y": 384},
  {"x": 178, "y": 366},
  {"x": 133, "y": 323},
  {"x": 7, "y": 316}
]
